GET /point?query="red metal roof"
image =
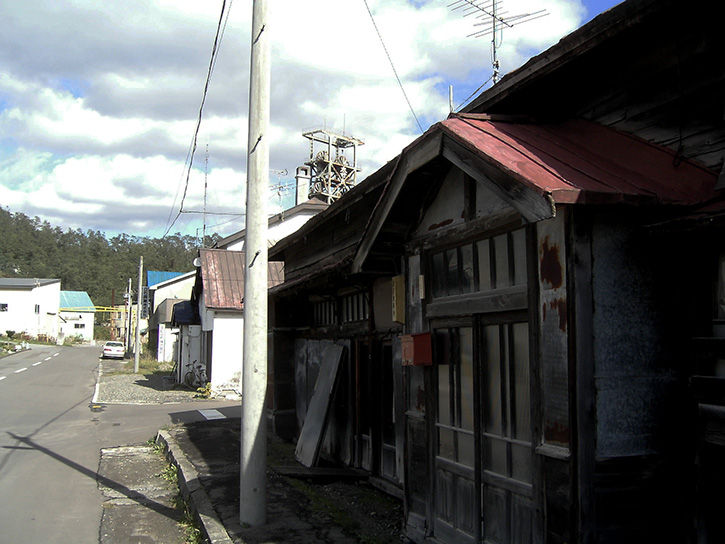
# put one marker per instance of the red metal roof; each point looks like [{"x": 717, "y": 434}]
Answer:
[
  {"x": 222, "y": 274},
  {"x": 580, "y": 161}
]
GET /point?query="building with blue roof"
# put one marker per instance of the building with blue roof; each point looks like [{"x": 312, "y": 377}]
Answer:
[
  {"x": 154, "y": 277},
  {"x": 77, "y": 315}
]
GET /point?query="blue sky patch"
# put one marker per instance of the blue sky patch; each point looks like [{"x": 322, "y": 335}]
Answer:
[{"x": 78, "y": 88}]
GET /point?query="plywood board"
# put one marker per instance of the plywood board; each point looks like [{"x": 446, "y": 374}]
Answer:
[{"x": 313, "y": 430}]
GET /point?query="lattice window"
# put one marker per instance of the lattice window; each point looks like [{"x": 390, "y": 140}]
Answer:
[{"x": 355, "y": 307}]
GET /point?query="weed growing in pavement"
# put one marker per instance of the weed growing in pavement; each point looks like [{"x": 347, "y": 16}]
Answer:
[
  {"x": 170, "y": 474},
  {"x": 204, "y": 392},
  {"x": 192, "y": 532},
  {"x": 158, "y": 448}
]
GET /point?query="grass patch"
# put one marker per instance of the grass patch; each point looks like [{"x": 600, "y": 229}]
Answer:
[{"x": 146, "y": 366}]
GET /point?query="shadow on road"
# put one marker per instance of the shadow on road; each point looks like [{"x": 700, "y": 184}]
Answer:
[{"x": 140, "y": 498}]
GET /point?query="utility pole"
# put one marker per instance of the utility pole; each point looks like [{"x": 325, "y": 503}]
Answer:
[
  {"x": 206, "y": 173},
  {"x": 128, "y": 317},
  {"x": 253, "y": 477},
  {"x": 138, "y": 316},
  {"x": 113, "y": 319}
]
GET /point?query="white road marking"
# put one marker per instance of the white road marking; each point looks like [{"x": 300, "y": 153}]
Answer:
[
  {"x": 212, "y": 414},
  {"x": 46, "y": 359},
  {"x": 2, "y": 378},
  {"x": 38, "y": 363},
  {"x": 18, "y": 371},
  {"x": 56, "y": 354}
]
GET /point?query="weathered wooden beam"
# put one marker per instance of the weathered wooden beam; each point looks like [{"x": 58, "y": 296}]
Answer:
[
  {"x": 491, "y": 225},
  {"x": 533, "y": 205},
  {"x": 410, "y": 160},
  {"x": 508, "y": 299}
]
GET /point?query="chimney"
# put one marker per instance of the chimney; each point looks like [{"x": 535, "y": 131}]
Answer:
[{"x": 302, "y": 177}]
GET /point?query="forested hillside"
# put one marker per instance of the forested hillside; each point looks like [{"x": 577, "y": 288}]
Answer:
[{"x": 87, "y": 261}]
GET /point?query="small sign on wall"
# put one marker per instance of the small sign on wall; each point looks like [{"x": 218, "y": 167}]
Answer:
[{"x": 417, "y": 349}]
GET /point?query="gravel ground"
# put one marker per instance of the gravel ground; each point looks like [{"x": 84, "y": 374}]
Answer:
[{"x": 118, "y": 387}]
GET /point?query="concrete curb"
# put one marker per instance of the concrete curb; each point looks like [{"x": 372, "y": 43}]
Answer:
[{"x": 193, "y": 492}]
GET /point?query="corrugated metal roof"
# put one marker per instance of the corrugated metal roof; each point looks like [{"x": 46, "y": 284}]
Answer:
[
  {"x": 157, "y": 276},
  {"x": 222, "y": 274},
  {"x": 580, "y": 161},
  {"x": 25, "y": 283},
  {"x": 76, "y": 299}
]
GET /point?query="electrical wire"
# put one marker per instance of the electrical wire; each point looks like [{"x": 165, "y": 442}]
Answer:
[
  {"x": 473, "y": 93},
  {"x": 188, "y": 164},
  {"x": 390, "y": 60}
]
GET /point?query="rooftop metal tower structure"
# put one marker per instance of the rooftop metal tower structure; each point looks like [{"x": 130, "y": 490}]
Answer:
[{"x": 332, "y": 172}]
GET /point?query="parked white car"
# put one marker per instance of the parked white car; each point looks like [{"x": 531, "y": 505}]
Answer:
[{"x": 113, "y": 349}]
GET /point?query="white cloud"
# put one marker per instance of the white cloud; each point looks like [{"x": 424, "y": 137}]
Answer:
[{"x": 98, "y": 101}]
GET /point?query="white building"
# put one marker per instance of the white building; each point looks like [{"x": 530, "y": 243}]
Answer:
[
  {"x": 279, "y": 226},
  {"x": 218, "y": 301},
  {"x": 30, "y": 306},
  {"x": 77, "y": 315},
  {"x": 163, "y": 296}
]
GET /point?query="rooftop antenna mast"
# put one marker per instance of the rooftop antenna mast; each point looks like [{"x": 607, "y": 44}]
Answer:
[{"x": 493, "y": 19}]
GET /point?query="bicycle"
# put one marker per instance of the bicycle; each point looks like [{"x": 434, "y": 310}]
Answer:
[{"x": 196, "y": 377}]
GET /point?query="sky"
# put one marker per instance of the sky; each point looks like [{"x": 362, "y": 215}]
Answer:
[{"x": 99, "y": 100}]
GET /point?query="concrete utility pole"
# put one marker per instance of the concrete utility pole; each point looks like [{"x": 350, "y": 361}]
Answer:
[
  {"x": 128, "y": 318},
  {"x": 138, "y": 316},
  {"x": 253, "y": 477}
]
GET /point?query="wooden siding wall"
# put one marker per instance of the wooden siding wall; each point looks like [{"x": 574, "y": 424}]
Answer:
[
  {"x": 417, "y": 441},
  {"x": 335, "y": 239},
  {"x": 554, "y": 451},
  {"x": 281, "y": 396},
  {"x": 673, "y": 93}
]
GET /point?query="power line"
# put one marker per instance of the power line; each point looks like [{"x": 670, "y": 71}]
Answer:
[
  {"x": 212, "y": 62},
  {"x": 390, "y": 60},
  {"x": 474, "y": 92}
]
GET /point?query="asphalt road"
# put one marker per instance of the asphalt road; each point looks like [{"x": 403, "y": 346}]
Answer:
[{"x": 50, "y": 442}]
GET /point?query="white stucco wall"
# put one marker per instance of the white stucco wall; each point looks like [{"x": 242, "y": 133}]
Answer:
[
  {"x": 279, "y": 230},
  {"x": 179, "y": 287},
  {"x": 167, "y": 343},
  {"x": 189, "y": 348},
  {"x": 226, "y": 358},
  {"x": 21, "y": 316},
  {"x": 77, "y": 324}
]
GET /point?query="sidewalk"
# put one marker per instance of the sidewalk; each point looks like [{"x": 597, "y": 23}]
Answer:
[
  {"x": 307, "y": 509},
  {"x": 302, "y": 507}
]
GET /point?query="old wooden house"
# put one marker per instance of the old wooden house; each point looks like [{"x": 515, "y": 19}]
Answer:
[{"x": 529, "y": 300}]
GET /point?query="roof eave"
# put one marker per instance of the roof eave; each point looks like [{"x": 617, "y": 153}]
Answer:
[{"x": 582, "y": 40}]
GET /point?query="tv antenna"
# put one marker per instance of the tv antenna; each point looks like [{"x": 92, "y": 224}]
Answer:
[{"x": 493, "y": 19}]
